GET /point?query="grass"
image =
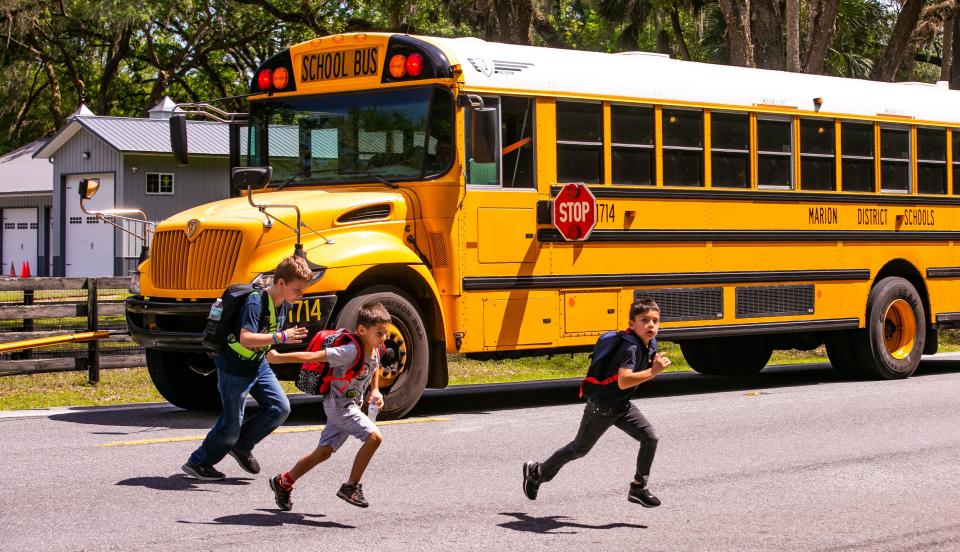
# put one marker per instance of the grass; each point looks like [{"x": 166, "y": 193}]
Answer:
[{"x": 133, "y": 385}]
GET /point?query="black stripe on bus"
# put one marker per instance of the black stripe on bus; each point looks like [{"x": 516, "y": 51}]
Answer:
[
  {"x": 486, "y": 283},
  {"x": 553, "y": 235},
  {"x": 604, "y": 192},
  {"x": 948, "y": 317},
  {"x": 943, "y": 272},
  {"x": 698, "y": 332}
]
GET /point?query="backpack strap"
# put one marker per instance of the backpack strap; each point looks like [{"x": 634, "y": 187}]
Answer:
[
  {"x": 357, "y": 363},
  {"x": 267, "y": 320}
]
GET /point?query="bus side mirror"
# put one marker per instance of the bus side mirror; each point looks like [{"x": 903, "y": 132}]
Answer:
[
  {"x": 243, "y": 178},
  {"x": 483, "y": 135},
  {"x": 178, "y": 138},
  {"x": 88, "y": 188}
]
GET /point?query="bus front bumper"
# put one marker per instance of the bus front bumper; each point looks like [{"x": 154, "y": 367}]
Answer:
[{"x": 170, "y": 325}]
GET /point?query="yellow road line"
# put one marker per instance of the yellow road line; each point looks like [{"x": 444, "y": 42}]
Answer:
[{"x": 299, "y": 429}]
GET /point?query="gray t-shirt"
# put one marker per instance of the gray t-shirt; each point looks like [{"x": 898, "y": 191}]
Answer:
[{"x": 342, "y": 393}]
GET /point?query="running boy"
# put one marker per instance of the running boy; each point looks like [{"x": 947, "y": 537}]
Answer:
[
  {"x": 242, "y": 369},
  {"x": 634, "y": 362},
  {"x": 342, "y": 406}
]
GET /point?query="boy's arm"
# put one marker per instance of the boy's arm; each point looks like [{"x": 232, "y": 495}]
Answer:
[
  {"x": 376, "y": 397},
  {"x": 274, "y": 357},
  {"x": 254, "y": 340},
  {"x": 628, "y": 378}
]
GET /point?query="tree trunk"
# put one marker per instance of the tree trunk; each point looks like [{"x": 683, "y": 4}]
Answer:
[
  {"x": 736, "y": 14},
  {"x": 821, "y": 26},
  {"x": 56, "y": 109},
  {"x": 955, "y": 54},
  {"x": 117, "y": 52},
  {"x": 792, "y": 21},
  {"x": 893, "y": 56},
  {"x": 678, "y": 34},
  {"x": 947, "y": 58},
  {"x": 663, "y": 41},
  {"x": 768, "y": 32}
]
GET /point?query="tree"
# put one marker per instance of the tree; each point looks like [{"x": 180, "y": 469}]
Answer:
[
  {"x": 736, "y": 15},
  {"x": 898, "y": 47}
]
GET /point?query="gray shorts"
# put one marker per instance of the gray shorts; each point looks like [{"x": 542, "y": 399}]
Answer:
[{"x": 344, "y": 420}]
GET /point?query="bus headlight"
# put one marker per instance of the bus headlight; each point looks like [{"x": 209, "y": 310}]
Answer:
[{"x": 134, "y": 286}]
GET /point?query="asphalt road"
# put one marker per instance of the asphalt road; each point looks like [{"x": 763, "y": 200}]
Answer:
[{"x": 794, "y": 459}]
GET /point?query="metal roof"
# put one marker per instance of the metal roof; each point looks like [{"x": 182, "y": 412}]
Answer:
[
  {"x": 130, "y": 135},
  {"x": 21, "y": 173}
]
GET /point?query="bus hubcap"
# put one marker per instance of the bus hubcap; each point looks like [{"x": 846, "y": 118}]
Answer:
[
  {"x": 394, "y": 362},
  {"x": 899, "y": 329}
]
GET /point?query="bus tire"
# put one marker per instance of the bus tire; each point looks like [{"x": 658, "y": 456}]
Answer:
[
  {"x": 727, "y": 356},
  {"x": 179, "y": 384},
  {"x": 842, "y": 355},
  {"x": 891, "y": 345},
  {"x": 406, "y": 388}
]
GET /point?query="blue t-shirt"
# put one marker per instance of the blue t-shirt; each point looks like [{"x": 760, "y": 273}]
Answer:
[{"x": 250, "y": 320}]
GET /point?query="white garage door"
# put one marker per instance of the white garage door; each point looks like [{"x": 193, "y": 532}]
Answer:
[
  {"x": 20, "y": 232},
  {"x": 89, "y": 242}
]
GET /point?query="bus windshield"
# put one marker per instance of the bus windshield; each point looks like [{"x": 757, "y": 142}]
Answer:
[{"x": 403, "y": 134}]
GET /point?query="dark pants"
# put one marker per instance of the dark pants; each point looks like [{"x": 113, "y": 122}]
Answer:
[
  {"x": 231, "y": 431},
  {"x": 596, "y": 421}
]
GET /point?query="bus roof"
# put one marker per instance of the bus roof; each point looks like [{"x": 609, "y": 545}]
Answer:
[{"x": 656, "y": 77}]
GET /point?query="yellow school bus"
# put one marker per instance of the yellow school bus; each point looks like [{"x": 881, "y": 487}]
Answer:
[{"x": 761, "y": 209}]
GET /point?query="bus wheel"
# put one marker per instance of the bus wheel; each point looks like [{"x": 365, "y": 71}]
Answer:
[
  {"x": 893, "y": 341},
  {"x": 404, "y": 374},
  {"x": 727, "y": 356},
  {"x": 180, "y": 384},
  {"x": 842, "y": 355}
]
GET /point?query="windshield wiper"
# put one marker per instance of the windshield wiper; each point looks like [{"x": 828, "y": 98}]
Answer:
[
  {"x": 300, "y": 176},
  {"x": 376, "y": 177}
]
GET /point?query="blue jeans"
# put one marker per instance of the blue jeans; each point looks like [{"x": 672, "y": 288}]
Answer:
[{"x": 231, "y": 431}]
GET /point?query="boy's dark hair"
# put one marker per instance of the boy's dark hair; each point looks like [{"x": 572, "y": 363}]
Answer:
[
  {"x": 643, "y": 306},
  {"x": 372, "y": 314},
  {"x": 293, "y": 268}
]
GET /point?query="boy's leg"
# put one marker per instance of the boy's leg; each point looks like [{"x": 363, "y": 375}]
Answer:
[
  {"x": 274, "y": 409},
  {"x": 593, "y": 425},
  {"x": 350, "y": 420},
  {"x": 635, "y": 424},
  {"x": 364, "y": 455},
  {"x": 282, "y": 485},
  {"x": 223, "y": 436}
]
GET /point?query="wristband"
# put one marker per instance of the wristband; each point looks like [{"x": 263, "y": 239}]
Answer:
[
  {"x": 275, "y": 339},
  {"x": 283, "y": 337}
]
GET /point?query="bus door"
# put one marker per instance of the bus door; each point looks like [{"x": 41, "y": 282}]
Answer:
[{"x": 499, "y": 224}]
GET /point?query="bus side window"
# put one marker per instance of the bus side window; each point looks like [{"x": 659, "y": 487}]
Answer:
[
  {"x": 682, "y": 147},
  {"x": 895, "y": 159},
  {"x": 482, "y": 173},
  {"x": 516, "y": 139},
  {"x": 931, "y": 160},
  {"x": 579, "y": 142},
  {"x": 856, "y": 153}
]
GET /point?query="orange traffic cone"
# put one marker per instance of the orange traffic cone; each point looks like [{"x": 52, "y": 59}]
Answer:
[
  {"x": 25, "y": 271},
  {"x": 13, "y": 271}
]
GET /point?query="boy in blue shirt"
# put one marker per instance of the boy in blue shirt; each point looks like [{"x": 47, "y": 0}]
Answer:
[
  {"x": 242, "y": 369},
  {"x": 635, "y": 361}
]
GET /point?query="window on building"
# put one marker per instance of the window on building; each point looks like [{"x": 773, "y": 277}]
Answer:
[
  {"x": 33, "y": 226},
  {"x": 730, "y": 150},
  {"x": 9, "y": 226},
  {"x": 856, "y": 149},
  {"x": 92, "y": 220},
  {"x": 579, "y": 142},
  {"x": 160, "y": 183},
  {"x": 931, "y": 161},
  {"x": 76, "y": 220},
  {"x": 774, "y": 153},
  {"x": 895, "y": 159},
  {"x": 682, "y": 147},
  {"x": 22, "y": 226},
  {"x": 817, "y": 155},
  {"x": 632, "y": 145}
]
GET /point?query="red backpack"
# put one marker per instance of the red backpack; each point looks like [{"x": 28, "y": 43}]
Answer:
[{"x": 316, "y": 378}]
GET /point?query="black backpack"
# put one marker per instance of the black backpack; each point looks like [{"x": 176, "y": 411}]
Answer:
[
  {"x": 600, "y": 373},
  {"x": 217, "y": 332}
]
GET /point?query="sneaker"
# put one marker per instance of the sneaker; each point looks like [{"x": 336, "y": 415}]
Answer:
[
  {"x": 202, "y": 472},
  {"x": 531, "y": 481},
  {"x": 353, "y": 493},
  {"x": 639, "y": 494},
  {"x": 280, "y": 494},
  {"x": 246, "y": 460}
]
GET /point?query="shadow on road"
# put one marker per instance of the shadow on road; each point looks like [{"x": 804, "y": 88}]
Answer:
[
  {"x": 550, "y": 524},
  {"x": 308, "y": 410},
  {"x": 180, "y": 482},
  {"x": 272, "y": 518}
]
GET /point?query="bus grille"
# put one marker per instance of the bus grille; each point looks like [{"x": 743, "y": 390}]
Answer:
[
  {"x": 205, "y": 263},
  {"x": 758, "y": 301},
  {"x": 680, "y": 304}
]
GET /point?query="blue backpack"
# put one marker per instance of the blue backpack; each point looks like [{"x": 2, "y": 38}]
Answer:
[{"x": 600, "y": 373}]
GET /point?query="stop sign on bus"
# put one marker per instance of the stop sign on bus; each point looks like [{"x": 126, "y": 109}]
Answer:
[{"x": 575, "y": 212}]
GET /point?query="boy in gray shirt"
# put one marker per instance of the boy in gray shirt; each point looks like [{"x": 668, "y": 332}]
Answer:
[{"x": 342, "y": 404}]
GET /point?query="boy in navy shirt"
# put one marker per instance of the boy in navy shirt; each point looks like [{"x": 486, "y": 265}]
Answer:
[
  {"x": 634, "y": 362},
  {"x": 242, "y": 369}
]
